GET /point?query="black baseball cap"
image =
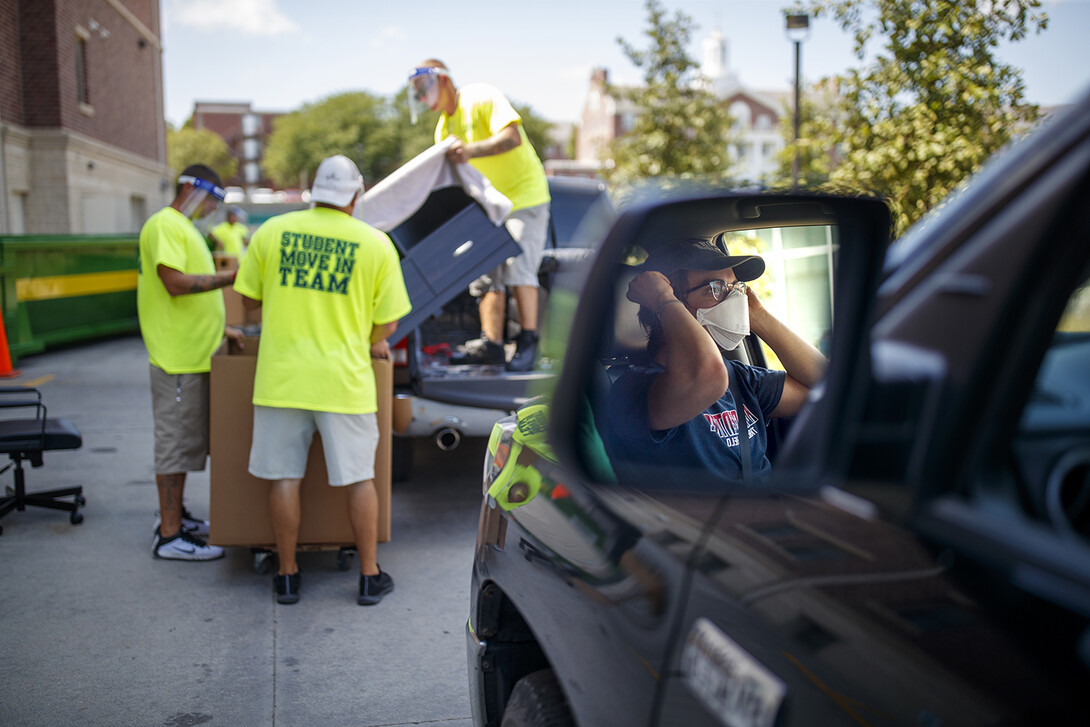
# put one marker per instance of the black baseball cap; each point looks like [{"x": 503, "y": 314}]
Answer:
[{"x": 701, "y": 253}]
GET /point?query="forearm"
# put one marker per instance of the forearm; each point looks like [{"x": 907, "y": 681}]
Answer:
[
  {"x": 507, "y": 139},
  {"x": 695, "y": 374},
  {"x": 382, "y": 331},
  {"x": 205, "y": 283},
  {"x": 179, "y": 283},
  {"x": 800, "y": 360}
]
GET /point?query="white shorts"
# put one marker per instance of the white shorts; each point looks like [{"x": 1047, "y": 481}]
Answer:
[
  {"x": 282, "y": 439},
  {"x": 530, "y": 229}
]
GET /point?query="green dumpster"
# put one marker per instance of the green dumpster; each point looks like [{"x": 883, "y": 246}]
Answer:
[{"x": 65, "y": 288}]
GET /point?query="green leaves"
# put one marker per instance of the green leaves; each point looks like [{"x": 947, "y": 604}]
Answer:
[
  {"x": 188, "y": 146},
  {"x": 679, "y": 129},
  {"x": 930, "y": 108}
]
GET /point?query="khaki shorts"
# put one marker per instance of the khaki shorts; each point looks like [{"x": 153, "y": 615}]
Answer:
[
  {"x": 530, "y": 229},
  {"x": 179, "y": 409},
  {"x": 282, "y": 440}
]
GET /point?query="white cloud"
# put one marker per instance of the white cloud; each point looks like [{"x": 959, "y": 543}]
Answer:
[
  {"x": 249, "y": 17},
  {"x": 391, "y": 35}
]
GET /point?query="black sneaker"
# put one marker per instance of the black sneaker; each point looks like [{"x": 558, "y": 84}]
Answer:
[
  {"x": 479, "y": 352},
  {"x": 190, "y": 524},
  {"x": 287, "y": 587},
  {"x": 525, "y": 353},
  {"x": 373, "y": 588}
]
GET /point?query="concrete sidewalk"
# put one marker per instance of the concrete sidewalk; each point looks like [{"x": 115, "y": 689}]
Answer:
[{"x": 97, "y": 632}]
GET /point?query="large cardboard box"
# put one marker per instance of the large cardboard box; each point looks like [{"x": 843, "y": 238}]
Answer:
[
  {"x": 237, "y": 315},
  {"x": 239, "y": 501}
]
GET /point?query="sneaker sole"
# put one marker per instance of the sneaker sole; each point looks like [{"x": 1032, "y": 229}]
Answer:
[
  {"x": 187, "y": 556},
  {"x": 372, "y": 600}
]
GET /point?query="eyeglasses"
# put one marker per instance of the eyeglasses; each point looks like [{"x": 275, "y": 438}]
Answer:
[{"x": 717, "y": 289}]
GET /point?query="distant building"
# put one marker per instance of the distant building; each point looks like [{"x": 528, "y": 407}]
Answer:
[
  {"x": 246, "y": 132},
  {"x": 756, "y": 115},
  {"x": 82, "y": 133}
]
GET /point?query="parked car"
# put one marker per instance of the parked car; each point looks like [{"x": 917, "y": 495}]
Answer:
[
  {"x": 441, "y": 403},
  {"x": 921, "y": 554}
]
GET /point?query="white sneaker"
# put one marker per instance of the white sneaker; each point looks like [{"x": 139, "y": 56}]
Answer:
[
  {"x": 190, "y": 524},
  {"x": 184, "y": 546}
]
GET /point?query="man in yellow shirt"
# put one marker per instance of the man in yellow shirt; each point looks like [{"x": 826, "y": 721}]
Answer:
[
  {"x": 331, "y": 293},
  {"x": 182, "y": 322},
  {"x": 490, "y": 137},
  {"x": 232, "y": 235}
]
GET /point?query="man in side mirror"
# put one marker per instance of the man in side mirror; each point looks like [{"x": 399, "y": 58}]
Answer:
[{"x": 685, "y": 410}]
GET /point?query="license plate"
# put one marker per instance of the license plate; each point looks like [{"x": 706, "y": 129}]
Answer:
[{"x": 728, "y": 681}]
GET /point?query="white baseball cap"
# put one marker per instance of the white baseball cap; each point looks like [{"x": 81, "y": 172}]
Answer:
[{"x": 336, "y": 180}]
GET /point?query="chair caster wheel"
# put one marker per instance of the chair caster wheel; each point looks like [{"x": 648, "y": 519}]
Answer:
[
  {"x": 262, "y": 561},
  {"x": 344, "y": 556},
  {"x": 75, "y": 518},
  {"x": 80, "y": 500}
]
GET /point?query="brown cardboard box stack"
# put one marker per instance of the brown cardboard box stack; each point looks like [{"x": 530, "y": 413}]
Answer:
[{"x": 239, "y": 501}]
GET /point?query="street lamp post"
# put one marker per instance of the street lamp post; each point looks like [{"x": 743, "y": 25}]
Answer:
[{"x": 798, "y": 30}]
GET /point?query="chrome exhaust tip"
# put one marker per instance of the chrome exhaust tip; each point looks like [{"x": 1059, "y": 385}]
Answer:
[{"x": 448, "y": 438}]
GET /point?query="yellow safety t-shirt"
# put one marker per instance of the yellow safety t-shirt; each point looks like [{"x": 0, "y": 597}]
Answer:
[
  {"x": 180, "y": 332},
  {"x": 324, "y": 279},
  {"x": 483, "y": 111},
  {"x": 231, "y": 236}
]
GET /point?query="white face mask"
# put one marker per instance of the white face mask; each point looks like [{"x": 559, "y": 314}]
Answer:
[{"x": 727, "y": 321}]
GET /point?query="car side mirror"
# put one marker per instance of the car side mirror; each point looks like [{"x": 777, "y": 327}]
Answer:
[{"x": 823, "y": 258}]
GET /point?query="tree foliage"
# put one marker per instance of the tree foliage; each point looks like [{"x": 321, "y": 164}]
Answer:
[
  {"x": 537, "y": 128},
  {"x": 188, "y": 146},
  {"x": 373, "y": 131},
  {"x": 932, "y": 105},
  {"x": 353, "y": 124},
  {"x": 680, "y": 130}
]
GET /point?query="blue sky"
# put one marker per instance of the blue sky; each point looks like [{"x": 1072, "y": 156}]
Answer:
[{"x": 280, "y": 54}]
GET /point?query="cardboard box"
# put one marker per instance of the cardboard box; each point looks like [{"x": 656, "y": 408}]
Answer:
[
  {"x": 239, "y": 501},
  {"x": 237, "y": 315}
]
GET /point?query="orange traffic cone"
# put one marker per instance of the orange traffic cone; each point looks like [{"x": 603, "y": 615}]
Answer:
[{"x": 6, "y": 371}]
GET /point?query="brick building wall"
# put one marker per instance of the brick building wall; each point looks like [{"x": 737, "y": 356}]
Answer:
[
  {"x": 11, "y": 96},
  {"x": 81, "y": 113},
  {"x": 245, "y": 132}
]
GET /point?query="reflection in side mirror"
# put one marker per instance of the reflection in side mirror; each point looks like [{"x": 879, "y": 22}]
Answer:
[{"x": 652, "y": 379}]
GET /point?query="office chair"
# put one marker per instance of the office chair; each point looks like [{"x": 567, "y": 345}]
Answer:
[{"x": 28, "y": 439}]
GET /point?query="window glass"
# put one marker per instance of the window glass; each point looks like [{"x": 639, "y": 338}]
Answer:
[
  {"x": 1053, "y": 444},
  {"x": 809, "y": 299},
  {"x": 796, "y": 237},
  {"x": 1061, "y": 394},
  {"x": 798, "y": 282},
  {"x": 83, "y": 94},
  {"x": 568, "y": 208}
]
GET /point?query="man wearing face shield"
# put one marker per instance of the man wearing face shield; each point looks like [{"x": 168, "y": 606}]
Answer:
[
  {"x": 489, "y": 135},
  {"x": 232, "y": 235},
  {"x": 684, "y": 409},
  {"x": 182, "y": 321}
]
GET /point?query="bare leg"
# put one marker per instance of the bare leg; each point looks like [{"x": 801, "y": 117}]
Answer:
[
  {"x": 285, "y": 513},
  {"x": 526, "y": 300},
  {"x": 171, "y": 488},
  {"x": 491, "y": 309},
  {"x": 363, "y": 513}
]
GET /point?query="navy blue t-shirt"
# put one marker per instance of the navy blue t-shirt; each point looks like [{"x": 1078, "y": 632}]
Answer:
[{"x": 705, "y": 446}]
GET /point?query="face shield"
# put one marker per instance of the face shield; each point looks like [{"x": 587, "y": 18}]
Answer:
[
  {"x": 202, "y": 198},
  {"x": 424, "y": 90}
]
